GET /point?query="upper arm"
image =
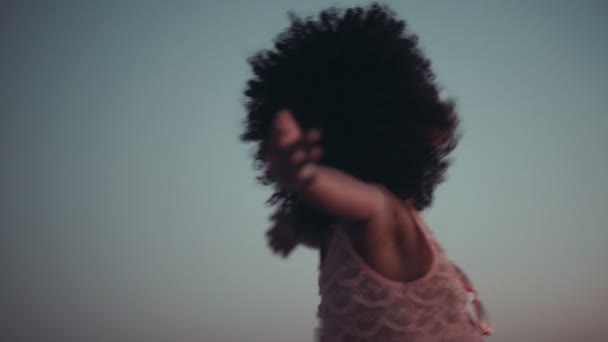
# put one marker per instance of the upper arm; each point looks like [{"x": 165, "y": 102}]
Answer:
[{"x": 384, "y": 209}]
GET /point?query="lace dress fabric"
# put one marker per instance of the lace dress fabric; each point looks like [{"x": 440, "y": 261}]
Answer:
[{"x": 359, "y": 304}]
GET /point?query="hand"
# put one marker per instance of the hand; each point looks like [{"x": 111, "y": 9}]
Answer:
[
  {"x": 291, "y": 158},
  {"x": 291, "y": 154},
  {"x": 281, "y": 237}
]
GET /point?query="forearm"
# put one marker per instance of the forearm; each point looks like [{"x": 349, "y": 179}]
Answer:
[
  {"x": 293, "y": 158},
  {"x": 341, "y": 195}
]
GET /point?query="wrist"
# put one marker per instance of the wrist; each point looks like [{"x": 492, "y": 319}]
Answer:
[{"x": 306, "y": 176}]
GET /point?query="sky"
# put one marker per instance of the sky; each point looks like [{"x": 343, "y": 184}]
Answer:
[{"x": 129, "y": 209}]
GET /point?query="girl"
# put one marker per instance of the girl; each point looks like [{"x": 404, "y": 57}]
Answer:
[{"x": 352, "y": 132}]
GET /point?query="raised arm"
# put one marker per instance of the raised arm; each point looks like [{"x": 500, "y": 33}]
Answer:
[{"x": 292, "y": 160}]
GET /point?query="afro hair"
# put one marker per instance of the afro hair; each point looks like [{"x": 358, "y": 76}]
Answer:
[{"x": 360, "y": 76}]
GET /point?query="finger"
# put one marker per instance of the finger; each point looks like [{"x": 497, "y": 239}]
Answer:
[
  {"x": 315, "y": 154},
  {"x": 286, "y": 128},
  {"x": 298, "y": 156},
  {"x": 313, "y": 136},
  {"x": 308, "y": 154},
  {"x": 306, "y": 173},
  {"x": 301, "y": 151},
  {"x": 308, "y": 146}
]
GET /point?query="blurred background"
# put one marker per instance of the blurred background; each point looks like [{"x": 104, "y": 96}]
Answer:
[{"x": 129, "y": 209}]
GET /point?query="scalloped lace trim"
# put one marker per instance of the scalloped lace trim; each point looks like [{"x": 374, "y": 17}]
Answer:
[{"x": 355, "y": 306}]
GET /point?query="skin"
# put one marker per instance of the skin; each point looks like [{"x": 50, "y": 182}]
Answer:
[{"x": 379, "y": 224}]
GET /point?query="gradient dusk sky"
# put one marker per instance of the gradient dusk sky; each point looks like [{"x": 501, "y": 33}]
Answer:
[{"x": 129, "y": 209}]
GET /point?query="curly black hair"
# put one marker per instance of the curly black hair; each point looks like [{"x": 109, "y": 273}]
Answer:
[{"x": 359, "y": 75}]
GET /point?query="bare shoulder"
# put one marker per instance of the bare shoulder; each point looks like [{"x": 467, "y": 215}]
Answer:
[
  {"x": 392, "y": 244},
  {"x": 381, "y": 224}
]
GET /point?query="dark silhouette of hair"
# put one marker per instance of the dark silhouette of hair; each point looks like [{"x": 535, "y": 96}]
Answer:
[{"x": 360, "y": 76}]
